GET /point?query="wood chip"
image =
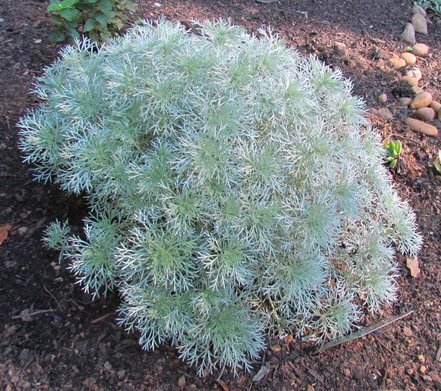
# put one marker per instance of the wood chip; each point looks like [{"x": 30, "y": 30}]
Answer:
[
  {"x": 222, "y": 385},
  {"x": 314, "y": 373},
  {"x": 413, "y": 265},
  {"x": 4, "y": 232},
  {"x": 263, "y": 371}
]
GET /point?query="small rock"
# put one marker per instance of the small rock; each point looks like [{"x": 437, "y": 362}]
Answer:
[
  {"x": 9, "y": 331},
  {"x": 409, "y": 58},
  {"x": 416, "y": 9},
  {"x": 421, "y": 127},
  {"x": 22, "y": 230},
  {"x": 423, "y": 369},
  {"x": 409, "y": 371},
  {"x": 181, "y": 382},
  {"x": 423, "y": 99},
  {"x": 107, "y": 366},
  {"x": 24, "y": 356},
  {"x": 410, "y": 80},
  {"x": 425, "y": 114},
  {"x": 405, "y": 101},
  {"x": 407, "y": 331},
  {"x": 8, "y": 387},
  {"x": 397, "y": 62},
  {"x": 435, "y": 105},
  {"x": 382, "y": 98},
  {"x": 419, "y": 23},
  {"x": 420, "y": 49},
  {"x": 408, "y": 34},
  {"x": 383, "y": 113},
  {"x": 415, "y": 73},
  {"x": 347, "y": 372},
  {"x": 417, "y": 90},
  {"x": 422, "y": 358},
  {"x": 121, "y": 373}
]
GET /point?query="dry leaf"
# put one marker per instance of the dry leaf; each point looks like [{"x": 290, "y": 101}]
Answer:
[
  {"x": 276, "y": 348},
  {"x": 413, "y": 265},
  {"x": 4, "y": 232}
]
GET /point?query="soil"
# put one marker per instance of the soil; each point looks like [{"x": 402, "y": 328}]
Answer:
[{"x": 54, "y": 337}]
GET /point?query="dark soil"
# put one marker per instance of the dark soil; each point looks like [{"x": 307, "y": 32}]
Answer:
[{"x": 54, "y": 337}]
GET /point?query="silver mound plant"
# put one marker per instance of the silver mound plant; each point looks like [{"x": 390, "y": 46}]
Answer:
[{"x": 236, "y": 190}]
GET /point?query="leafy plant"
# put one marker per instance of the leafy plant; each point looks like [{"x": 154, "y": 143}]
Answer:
[
  {"x": 437, "y": 164},
  {"x": 431, "y": 5},
  {"x": 235, "y": 189},
  {"x": 393, "y": 149},
  {"x": 98, "y": 19}
]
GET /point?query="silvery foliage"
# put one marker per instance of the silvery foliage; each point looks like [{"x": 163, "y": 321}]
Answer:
[{"x": 235, "y": 188}]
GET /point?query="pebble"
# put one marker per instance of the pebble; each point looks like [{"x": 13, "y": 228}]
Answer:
[
  {"x": 22, "y": 230},
  {"x": 419, "y": 23},
  {"x": 410, "y": 80},
  {"x": 415, "y": 72},
  {"x": 405, "y": 101},
  {"x": 423, "y": 369},
  {"x": 425, "y": 114},
  {"x": 417, "y": 90},
  {"x": 417, "y": 9},
  {"x": 382, "y": 98},
  {"x": 407, "y": 331},
  {"x": 435, "y": 105},
  {"x": 181, "y": 382},
  {"x": 347, "y": 372},
  {"x": 383, "y": 113},
  {"x": 409, "y": 58},
  {"x": 423, "y": 99},
  {"x": 421, "y": 127},
  {"x": 397, "y": 62},
  {"x": 420, "y": 49},
  {"x": 408, "y": 34}
]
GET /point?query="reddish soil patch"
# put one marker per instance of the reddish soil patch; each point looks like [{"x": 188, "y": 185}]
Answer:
[{"x": 62, "y": 340}]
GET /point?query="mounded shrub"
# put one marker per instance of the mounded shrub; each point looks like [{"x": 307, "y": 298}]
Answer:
[{"x": 235, "y": 189}]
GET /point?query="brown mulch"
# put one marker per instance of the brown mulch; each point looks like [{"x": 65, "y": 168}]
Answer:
[{"x": 52, "y": 335}]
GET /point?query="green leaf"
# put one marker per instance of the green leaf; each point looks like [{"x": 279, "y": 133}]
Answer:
[
  {"x": 89, "y": 25},
  {"x": 105, "y": 6},
  {"x": 437, "y": 166},
  {"x": 58, "y": 6},
  {"x": 399, "y": 147},
  {"x": 105, "y": 36},
  {"x": 131, "y": 6},
  {"x": 70, "y": 14},
  {"x": 56, "y": 36},
  {"x": 101, "y": 19}
]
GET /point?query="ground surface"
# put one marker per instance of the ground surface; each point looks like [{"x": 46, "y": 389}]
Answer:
[{"x": 52, "y": 335}]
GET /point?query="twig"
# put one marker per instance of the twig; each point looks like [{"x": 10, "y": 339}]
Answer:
[
  {"x": 51, "y": 294},
  {"x": 360, "y": 333},
  {"x": 26, "y": 315},
  {"x": 101, "y": 318}
]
